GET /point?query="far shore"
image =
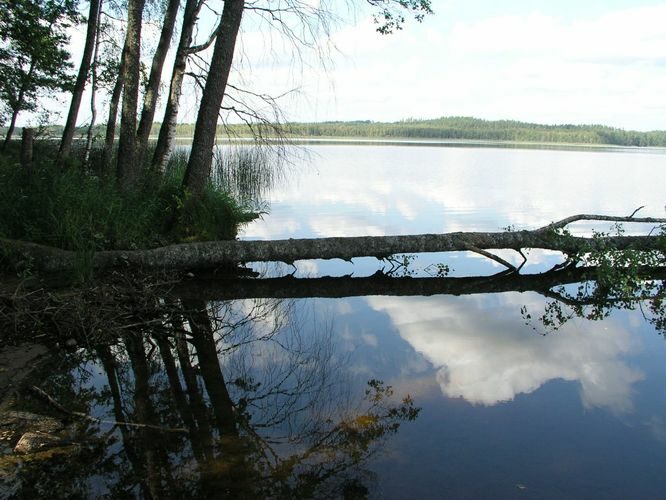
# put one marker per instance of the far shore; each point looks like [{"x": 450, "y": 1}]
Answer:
[{"x": 410, "y": 141}]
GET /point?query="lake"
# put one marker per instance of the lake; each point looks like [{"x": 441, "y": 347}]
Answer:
[
  {"x": 509, "y": 409},
  {"x": 493, "y": 387}
]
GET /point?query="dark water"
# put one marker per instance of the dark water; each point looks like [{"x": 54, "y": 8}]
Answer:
[{"x": 414, "y": 388}]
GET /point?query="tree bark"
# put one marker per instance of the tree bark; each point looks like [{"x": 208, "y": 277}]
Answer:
[
  {"x": 198, "y": 169},
  {"x": 218, "y": 253},
  {"x": 16, "y": 109},
  {"x": 113, "y": 115},
  {"x": 167, "y": 133},
  {"x": 153, "y": 87},
  {"x": 27, "y": 139},
  {"x": 93, "y": 96},
  {"x": 128, "y": 169},
  {"x": 81, "y": 78}
]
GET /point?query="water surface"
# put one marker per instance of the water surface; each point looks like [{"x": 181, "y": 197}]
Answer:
[
  {"x": 510, "y": 407},
  {"x": 280, "y": 394}
]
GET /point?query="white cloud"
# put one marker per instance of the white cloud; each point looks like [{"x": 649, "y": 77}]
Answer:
[
  {"x": 370, "y": 339},
  {"x": 341, "y": 225},
  {"x": 449, "y": 189},
  {"x": 485, "y": 355},
  {"x": 533, "y": 66}
]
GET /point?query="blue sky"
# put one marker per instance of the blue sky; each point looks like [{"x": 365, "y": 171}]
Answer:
[
  {"x": 562, "y": 61},
  {"x": 556, "y": 62}
]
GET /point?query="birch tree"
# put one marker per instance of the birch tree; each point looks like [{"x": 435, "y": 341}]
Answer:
[{"x": 82, "y": 78}]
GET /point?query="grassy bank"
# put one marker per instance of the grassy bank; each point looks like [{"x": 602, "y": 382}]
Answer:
[{"x": 82, "y": 209}]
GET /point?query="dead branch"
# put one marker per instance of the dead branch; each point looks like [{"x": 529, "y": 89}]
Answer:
[{"x": 606, "y": 218}]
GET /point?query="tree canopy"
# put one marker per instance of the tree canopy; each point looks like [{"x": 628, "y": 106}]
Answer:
[{"x": 34, "y": 58}]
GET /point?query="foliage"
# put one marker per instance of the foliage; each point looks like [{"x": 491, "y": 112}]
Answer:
[
  {"x": 465, "y": 128},
  {"x": 618, "y": 270},
  {"x": 620, "y": 282},
  {"x": 292, "y": 426},
  {"x": 213, "y": 215},
  {"x": 390, "y": 15},
  {"x": 454, "y": 128},
  {"x": 78, "y": 210},
  {"x": 33, "y": 55},
  {"x": 400, "y": 265}
]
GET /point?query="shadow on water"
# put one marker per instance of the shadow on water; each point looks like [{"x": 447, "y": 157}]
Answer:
[
  {"x": 188, "y": 398},
  {"x": 232, "y": 386}
]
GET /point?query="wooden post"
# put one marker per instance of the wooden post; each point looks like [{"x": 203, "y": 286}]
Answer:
[{"x": 27, "y": 139}]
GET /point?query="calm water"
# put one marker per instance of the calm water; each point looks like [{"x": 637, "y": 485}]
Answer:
[
  {"x": 510, "y": 408},
  {"x": 271, "y": 392}
]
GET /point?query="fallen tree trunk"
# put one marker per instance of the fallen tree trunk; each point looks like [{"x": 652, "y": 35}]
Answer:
[{"x": 212, "y": 254}]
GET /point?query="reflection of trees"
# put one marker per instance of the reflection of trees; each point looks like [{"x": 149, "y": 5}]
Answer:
[
  {"x": 618, "y": 280},
  {"x": 591, "y": 290},
  {"x": 238, "y": 400},
  {"x": 596, "y": 299}
]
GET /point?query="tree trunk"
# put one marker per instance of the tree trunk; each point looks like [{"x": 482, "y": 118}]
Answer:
[
  {"x": 203, "y": 340},
  {"x": 152, "y": 90},
  {"x": 168, "y": 129},
  {"x": 26, "y": 147},
  {"x": 113, "y": 115},
  {"x": 10, "y": 130},
  {"x": 16, "y": 109},
  {"x": 218, "y": 253},
  {"x": 27, "y": 140},
  {"x": 128, "y": 169},
  {"x": 201, "y": 156},
  {"x": 146, "y": 438},
  {"x": 93, "y": 94},
  {"x": 82, "y": 77}
]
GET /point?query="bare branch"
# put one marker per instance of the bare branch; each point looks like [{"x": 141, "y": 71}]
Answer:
[
  {"x": 492, "y": 256},
  {"x": 203, "y": 46},
  {"x": 607, "y": 218},
  {"x": 634, "y": 212}
]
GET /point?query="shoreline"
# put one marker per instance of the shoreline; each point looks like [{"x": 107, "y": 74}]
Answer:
[{"x": 407, "y": 141}]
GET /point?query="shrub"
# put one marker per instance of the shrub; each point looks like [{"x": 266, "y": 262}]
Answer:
[{"x": 74, "y": 209}]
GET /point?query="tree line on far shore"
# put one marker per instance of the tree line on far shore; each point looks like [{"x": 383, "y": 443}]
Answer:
[
  {"x": 466, "y": 128},
  {"x": 453, "y": 128}
]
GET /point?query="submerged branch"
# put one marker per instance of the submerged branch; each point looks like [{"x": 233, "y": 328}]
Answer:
[
  {"x": 494, "y": 257},
  {"x": 49, "y": 399}
]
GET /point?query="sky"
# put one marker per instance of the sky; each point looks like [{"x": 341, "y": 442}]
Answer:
[
  {"x": 539, "y": 61},
  {"x": 569, "y": 61}
]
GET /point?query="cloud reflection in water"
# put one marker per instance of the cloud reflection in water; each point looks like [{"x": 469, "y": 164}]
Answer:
[{"x": 486, "y": 355}]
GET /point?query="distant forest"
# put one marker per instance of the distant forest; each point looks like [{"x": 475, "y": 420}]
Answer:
[
  {"x": 456, "y": 128},
  {"x": 482, "y": 130}
]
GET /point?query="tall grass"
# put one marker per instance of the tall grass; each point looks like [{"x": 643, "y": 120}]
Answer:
[
  {"x": 248, "y": 171},
  {"x": 80, "y": 210}
]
